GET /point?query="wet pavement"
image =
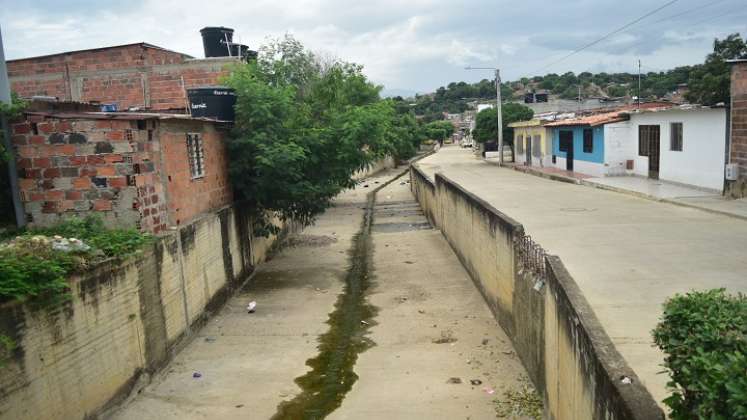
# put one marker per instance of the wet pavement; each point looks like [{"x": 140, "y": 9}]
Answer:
[{"x": 354, "y": 319}]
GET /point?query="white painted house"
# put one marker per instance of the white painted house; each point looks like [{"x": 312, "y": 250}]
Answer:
[{"x": 684, "y": 145}]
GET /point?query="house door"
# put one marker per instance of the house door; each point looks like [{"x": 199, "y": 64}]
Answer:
[
  {"x": 649, "y": 144},
  {"x": 566, "y": 145},
  {"x": 528, "y": 151}
]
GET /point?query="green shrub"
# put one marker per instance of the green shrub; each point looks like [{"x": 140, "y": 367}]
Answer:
[
  {"x": 31, "y": 268},
  {"x": 704, "y": 337}
]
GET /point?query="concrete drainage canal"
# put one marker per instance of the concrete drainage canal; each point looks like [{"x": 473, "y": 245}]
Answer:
[{"x": 332, "y": 374}]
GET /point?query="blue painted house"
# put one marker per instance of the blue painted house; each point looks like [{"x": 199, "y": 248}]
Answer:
[{"x": 590, "y": 145}]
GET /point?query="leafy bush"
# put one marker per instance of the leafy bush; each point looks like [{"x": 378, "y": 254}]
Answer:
[
  {"x": 704, "y": 337},
  {"x": 35, "y": 264}
]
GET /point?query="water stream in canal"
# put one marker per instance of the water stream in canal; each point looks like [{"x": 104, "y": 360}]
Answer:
[{"x": 332, "y": 375}]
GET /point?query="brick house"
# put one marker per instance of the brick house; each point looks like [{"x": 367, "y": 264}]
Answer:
[
  {"x": 145, "y": 170},
  {"x": 738, "y": 143},
  {"x": 138, "y": 75}
]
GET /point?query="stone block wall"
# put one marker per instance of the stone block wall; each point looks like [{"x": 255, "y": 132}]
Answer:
[{"x": 738, "y": 147}]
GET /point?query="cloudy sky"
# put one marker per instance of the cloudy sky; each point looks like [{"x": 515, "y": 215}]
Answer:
[{"x": 415, "y": 45}]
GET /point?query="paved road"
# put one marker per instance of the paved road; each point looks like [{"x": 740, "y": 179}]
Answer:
[
  {"x": 628, "y": 254},
  {"x": 248, "y": 362}
]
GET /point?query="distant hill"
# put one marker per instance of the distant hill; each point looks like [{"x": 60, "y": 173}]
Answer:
[{"x": 392, "y": 93}]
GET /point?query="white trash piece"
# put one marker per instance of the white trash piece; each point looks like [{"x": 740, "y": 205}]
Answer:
[{"x": 251, "y": 306}]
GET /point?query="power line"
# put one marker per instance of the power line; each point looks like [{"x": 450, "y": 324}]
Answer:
[{"x": 616, "y": 31}]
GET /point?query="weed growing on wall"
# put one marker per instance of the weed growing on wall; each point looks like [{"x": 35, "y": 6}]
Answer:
[
  {"x": 36, "y": 264},
  {"x": 704, "y": 337}
]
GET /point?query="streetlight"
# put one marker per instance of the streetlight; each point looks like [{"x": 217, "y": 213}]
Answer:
[{"x": 498, "y": 107}]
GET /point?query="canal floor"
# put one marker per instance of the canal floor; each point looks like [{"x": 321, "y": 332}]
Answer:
[{"x": 424, "y": 327}]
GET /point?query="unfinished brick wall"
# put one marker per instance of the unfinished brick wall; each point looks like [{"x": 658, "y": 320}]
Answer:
[
  {"x": 76, "y": 167},
  {"x": 188, "y": 197},
  {"x": 134, "y": 173},
  {"x": 738, "y": 148},
  {"x": 136, "y": 75}
]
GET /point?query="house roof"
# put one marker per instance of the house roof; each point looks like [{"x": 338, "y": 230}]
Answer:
[
  {"x": 686, "y": 107},
  {"x": 128, "y": 116},
  {"x": 529, "y": 123},
  {"x": 141, "y": 44},
  {"x": 591, "y": 120}
]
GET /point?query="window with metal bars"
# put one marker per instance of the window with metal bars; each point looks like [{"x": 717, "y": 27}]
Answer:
[
  {"x": 196, "y": 155},
  {"x": 588, "y": 140},
  {"x": 520, "y": 145},
  {"x": 536, "y": 146},
  {"x": 675, "y": 134},
  {"x": 646, "y": 135}
]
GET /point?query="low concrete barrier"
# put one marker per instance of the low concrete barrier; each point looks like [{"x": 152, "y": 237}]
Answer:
[
  {"x": 567, "y": 353},
  {"x": 125, "y": 320}
]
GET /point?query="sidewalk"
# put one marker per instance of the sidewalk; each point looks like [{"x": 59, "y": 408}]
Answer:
[
  {"x": 707, "y": 200},
  {"x": 627, "y": 254}
]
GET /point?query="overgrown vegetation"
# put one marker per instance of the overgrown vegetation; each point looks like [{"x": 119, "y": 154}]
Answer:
[
  {"x": 704, "y": 337},
  {"x": 35, "y": 264},
  {"x": 304, "y": 126},
  {"x": 525, "y": 403},
  {"x": 486, "y": 122},
  {"x": 708, "y": 84}
]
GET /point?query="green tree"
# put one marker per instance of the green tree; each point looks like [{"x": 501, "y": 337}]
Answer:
[
  {"x": 303, "y": 127},
  {"x": 486, "y": 122},
  {"x": 439, "y": 130},
  {"x": 710, "y": 83}
]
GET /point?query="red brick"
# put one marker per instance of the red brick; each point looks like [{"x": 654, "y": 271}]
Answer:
[
  {"x": 64, "y": 149},
  {"x": 65, "y": 205},
  {"x": 36, "y": 196},
  {"x": 95, "y": 160},
  {"x": 34, "y": 173},
  {"x": 64, "y": 126},
  {"x": 104, "y": 124},
  {"x": 102, "y": 205},
  {"x": 52, "y": 173},
  {"x": 88, "y": 171},
  {"x": 113, "y": 158},
  {"x": 81, "y": 183},
  {"x": 106, "y": 171},
  {"x": 24, "y": 163},
  {"x": 55, "y": 195},
  {"x": 49, "y": 207},
  {"x": 21, "y": 128},
  {"x": 118, "y": 182},
  {"x": 37, "y": 140},
  {"x": 42, "y": 163},
  {"x": 115, "y": 135},
  {"x": 46, "y": 127},
  {"x": 27, "y": 184},
  {"x": 27, "y": 151},
  {"x": 73, "y": 195}
]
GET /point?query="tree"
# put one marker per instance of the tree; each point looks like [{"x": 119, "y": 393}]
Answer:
[
  {"x": 710, "y": 83},
  {"x": 486, "y": 122},
  {"x": 303, "y": 127},
  {"x": 439, "y": 130}
]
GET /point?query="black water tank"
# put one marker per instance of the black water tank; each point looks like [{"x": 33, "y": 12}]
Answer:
[
  {"x": 214, "y": 40},
  {"x": 214, "y": 102}
]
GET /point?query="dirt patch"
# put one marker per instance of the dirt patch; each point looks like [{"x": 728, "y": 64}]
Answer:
[{"x": 309, "y": 240}]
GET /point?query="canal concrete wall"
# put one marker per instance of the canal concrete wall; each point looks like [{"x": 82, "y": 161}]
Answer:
[
  {"x": 124, "y": 320},
  {"x": 567, "y": 353}
]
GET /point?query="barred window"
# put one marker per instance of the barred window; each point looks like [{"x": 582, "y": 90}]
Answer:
[
  {"x": 195, "y": 155},
  {"x": 646, "y": 135},
  {"x": 520, "y": 145},
  {"x": 675, "y": 133},
  {"x": 588, "y": 140},
  {"x": 536, "y": 146}
]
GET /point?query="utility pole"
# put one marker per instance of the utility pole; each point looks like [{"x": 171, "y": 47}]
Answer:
[
  {"x": 639, "y": 84},
  {"x": 12, "y": 171},
  {"x": 497, "y": 105},
  {"x": 500, "y": 115}
]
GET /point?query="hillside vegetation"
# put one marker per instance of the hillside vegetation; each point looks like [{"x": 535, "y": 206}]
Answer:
[{"x": 708, "y": 84}]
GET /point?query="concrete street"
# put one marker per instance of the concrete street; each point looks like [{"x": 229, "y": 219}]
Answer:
[
  {"x": 628, "y": 254},
  {"x": 431, "y": 326}
]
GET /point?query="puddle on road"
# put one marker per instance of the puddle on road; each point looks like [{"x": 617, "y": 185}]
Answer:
[{"x": 332, "y": 375}]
